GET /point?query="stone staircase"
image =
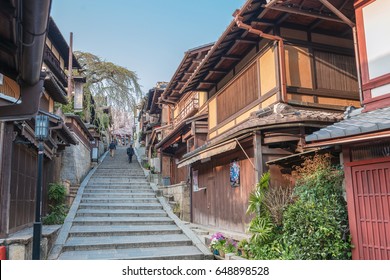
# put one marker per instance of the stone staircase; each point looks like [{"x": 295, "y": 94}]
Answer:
[{"x": 118, "y": 216}]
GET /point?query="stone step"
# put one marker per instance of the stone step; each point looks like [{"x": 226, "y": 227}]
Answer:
[
  {"x": 122, "y": 199},
  {"x": 120, "y": 213},
  {"x": 123, "y": 242},
  {"x": 113, "y": 181},
  {"x": 156, "y": 253},
  {"x": 113, "y": 190},
  {"x": 112, "y": 206},
  {"x": 118, "y": 177},
  {"x": 79, "y": 231},
  {"x": 121, "y": 221},
  {"x": 142, "y": 184},
  {"x": 114, "y": 194}
]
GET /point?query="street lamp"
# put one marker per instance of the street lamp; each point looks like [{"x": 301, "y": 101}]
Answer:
[{"x": 41, "y": 134}]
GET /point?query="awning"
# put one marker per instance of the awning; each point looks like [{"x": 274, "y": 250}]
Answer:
[{"x": 209, "y": 152}]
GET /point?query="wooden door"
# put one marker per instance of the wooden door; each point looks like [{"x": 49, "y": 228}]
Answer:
[
  {"x": 370, "y": 209},
  {"x": 23, "y": 186},
  {"x": 211, "y": 199}
]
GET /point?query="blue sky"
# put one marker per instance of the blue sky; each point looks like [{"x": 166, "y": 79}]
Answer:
[{"x": 146, "y": 36}]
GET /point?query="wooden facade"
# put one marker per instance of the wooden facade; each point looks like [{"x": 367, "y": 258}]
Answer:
[
  {"x": 18, "y": 146},
  {"x": 265, "y": 96},
  {"x": 366, "y": 152},
  {"x": 184, "y": 118}
]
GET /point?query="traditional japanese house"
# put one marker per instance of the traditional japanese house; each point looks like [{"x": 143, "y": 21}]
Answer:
[
  {"x": 25, "y": 92},
  {"x": 364, "y": 136},
  {"x": 281, "y": 70},
  {"x": 184, "y": 118}
]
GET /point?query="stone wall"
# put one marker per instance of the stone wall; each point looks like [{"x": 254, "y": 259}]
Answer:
[
  {"x": 181, "y": 197},
  {"x": 19, "y": 245},
  {"x": 101, "y": 148},
  {"x": 76, "y": 162}
]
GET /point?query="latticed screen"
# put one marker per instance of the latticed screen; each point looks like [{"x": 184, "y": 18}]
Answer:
[{"x": 374, "y": 150}]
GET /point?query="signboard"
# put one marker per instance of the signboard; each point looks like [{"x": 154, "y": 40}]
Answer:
[
  {"x": 234, "y": 173},
  {"x": 94, "y": 154},
  {"x": 78, "y": 96}
]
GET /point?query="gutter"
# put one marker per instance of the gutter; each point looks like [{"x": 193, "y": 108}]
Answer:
[
  {"x": 34, "y": 26},
  {"x": 282, "y": 63}
]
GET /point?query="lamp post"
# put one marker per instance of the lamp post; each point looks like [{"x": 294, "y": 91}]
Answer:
[{"x": 41, "y": 134}]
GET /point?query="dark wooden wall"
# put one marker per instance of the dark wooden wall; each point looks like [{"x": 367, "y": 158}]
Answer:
[{"x": 220, "y": 204}]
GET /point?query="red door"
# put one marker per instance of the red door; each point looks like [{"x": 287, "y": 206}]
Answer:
[{"x": 370, "y": 210}]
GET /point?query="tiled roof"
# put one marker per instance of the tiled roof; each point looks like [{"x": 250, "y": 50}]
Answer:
[
  {"x": 354, "y": 125},
  {"x": 281, "y": 114}
]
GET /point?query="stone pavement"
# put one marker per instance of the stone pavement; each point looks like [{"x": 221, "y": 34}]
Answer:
[{"x": 117, "y": 215}]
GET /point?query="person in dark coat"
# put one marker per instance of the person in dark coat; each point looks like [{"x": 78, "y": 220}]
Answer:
[
  {"x": 130, "y": 153},
  {"x": 112, "y": 148}
]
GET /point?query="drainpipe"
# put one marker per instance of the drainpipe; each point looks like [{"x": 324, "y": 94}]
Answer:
[
  {"x": 351, "y": 24},
  {"x": 279, "y": 40}
]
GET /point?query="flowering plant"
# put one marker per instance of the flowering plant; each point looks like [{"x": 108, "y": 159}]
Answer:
[
  {"x": 230, "y": 246},
  {"x": 218, "y": 241}
]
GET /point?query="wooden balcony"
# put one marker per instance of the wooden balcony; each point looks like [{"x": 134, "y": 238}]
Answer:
[
  {"x": 191, "y": 106},
  {"x": 54, "y": 64}
]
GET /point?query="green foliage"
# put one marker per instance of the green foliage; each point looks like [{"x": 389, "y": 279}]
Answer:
[
  {"x": 256, "y": 197},
  {"x": 313, "y": 225},
  {"x": 57, "y": 215},
  {"x": 230, "y": 246},
  {"x": 147, "y": 165},
  {"x": 58, "y": 209},
  {"x": 56, "y": 193},
  {"x": 110, "y": 84},
  {"x": 261, "y": 229},
  {"x": 316, "y": 225}
]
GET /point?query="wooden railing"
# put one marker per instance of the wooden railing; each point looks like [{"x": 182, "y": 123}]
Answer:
[
  {"x": 191, "y": 106},
  {"x": 55, "y": 66}
]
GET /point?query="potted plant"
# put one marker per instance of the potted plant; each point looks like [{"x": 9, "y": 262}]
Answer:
[
  {"x": 217, "y": 244},
  {"x": 231, "y": 246},
  {"x": 243, "y": 248}
]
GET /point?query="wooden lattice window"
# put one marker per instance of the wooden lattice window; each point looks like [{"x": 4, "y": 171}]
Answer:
[{"x": 370, "y": 151}]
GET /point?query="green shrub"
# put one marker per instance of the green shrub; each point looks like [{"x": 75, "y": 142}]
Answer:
[
  {"x": 57, "y": 207},
  {"x": 316, "y": 225},
  {"x": 310, "y": 223}
]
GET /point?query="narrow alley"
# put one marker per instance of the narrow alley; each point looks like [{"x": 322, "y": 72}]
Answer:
[{"x": 116, "y": 215}]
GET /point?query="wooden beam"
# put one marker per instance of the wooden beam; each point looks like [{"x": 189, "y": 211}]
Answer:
[
  {"x": 246, "y": 41},
  {"x": 8, "y": 47},
  {"x": 218, "y": 72},
  {"x": 305, "y": 13},
  {"x": 235, "y": 58},
  {"x": 262, "y": 22},
  {"x": 7, "y": 10},
  {"x": 258, "y": 156}
]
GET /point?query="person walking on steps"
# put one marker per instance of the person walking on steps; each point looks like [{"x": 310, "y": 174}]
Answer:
[
  {"x": 112, "y": 148},
  {"x": 130, "y": 153}
]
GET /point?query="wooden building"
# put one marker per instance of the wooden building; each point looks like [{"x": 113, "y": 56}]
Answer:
[
  {"x": 29, "y": 86},
  {"x": 184, "y": 118},
  {"x": 364, "y": 136},
  {"x": 280, "y": 71}
]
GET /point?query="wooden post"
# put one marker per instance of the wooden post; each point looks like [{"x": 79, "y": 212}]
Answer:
[
  {"x": 6, "y": 135},
  {"x": 70, "y": 66},
  {"x": 258, "y": 156}
]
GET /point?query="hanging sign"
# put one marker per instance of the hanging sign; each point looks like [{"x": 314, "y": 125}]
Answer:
[{"x": 234, "y": 173}]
